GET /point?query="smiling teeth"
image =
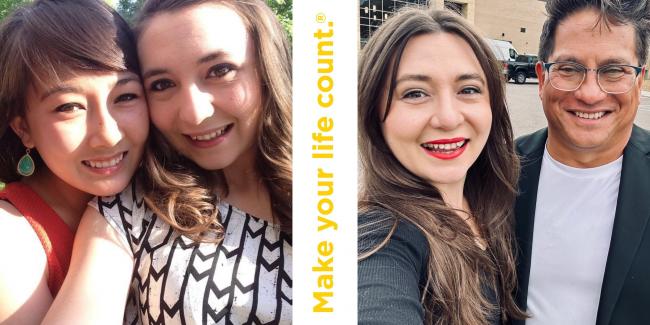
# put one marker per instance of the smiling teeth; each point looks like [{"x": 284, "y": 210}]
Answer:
[
  {"x": 105, "y": 163},
  {"x": 589, "y": 116},
  {"x": 445, "y": 146},
  {"x": 209, "y": 136}
]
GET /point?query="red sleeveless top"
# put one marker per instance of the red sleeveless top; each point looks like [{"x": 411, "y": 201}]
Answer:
[{"x": 55, "y": 236}]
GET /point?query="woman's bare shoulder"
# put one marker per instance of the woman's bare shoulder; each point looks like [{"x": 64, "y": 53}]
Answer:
[{"x": 23, "y": 276}]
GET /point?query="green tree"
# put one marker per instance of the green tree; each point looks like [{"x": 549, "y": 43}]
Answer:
[
  {"x": 283, "y": 10},
  {"x": 129, "y": 8},
  {"x": 7, "y": 6}
]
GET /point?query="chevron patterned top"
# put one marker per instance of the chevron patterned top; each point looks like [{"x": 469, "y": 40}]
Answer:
[{"x": 246, "y": 279}]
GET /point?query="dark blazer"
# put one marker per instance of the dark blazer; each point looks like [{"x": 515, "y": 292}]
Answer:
[{"x": 625, "y": 294}]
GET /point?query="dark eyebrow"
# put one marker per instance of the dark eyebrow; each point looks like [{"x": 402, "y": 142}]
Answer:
[
  {"x": 615, "y": 61},
  {"x": 600, "y": 64},
  {"x": 420, "y": 77},
  {"x": 60, "y": 89},
  {"x": 153, "y": 72},
  {"x": 413, "y": 77},
  {"x": 207, "y": 58},
  {"x": 71, "y": 89},
  {"x": 126, "y": 80},
  {"x": 567, "y": 58},
  {"x": 471, "y": 76},
  {"x": 210, "y": 57}
]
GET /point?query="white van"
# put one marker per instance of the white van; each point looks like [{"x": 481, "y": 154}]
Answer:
[{"x": 504, "y": 52}]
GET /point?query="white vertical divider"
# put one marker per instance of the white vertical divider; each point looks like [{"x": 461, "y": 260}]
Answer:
[{"x": 325, "y": 51}]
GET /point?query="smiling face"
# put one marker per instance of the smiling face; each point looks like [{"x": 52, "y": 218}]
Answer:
[
  {"x": 440, "y": 116},
  {"x": 89, "y": 130},
  {"x": 588, "y": 127},
  {"x": 199, "y": 68}
]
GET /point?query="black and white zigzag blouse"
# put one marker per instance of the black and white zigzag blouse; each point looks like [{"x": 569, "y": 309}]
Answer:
[{"x": 246, "y": 279}]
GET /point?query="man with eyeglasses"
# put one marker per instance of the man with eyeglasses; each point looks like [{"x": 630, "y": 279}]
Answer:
[{"x": 583, "y": 211}]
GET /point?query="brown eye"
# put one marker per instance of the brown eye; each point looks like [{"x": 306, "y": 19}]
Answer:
[
  {"x": 414, "y": 94},
  {"x": 567, "y": 69},
  {"x": 161, "y": 85},
  {"x": 470, "y": 91},
  {"x": 69, "y": 107},
  {"x": 613, "y": 72},
  {"x": 125, "y": 98},
  {"x": 220, "y": 70}
]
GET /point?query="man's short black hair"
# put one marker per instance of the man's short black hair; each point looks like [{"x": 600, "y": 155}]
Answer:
[{"x": 618, "y": 12}]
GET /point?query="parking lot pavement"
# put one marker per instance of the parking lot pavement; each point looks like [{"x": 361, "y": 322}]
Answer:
[{"x": 527, "y": 115}]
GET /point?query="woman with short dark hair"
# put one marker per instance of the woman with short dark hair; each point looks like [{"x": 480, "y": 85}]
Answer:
[{"x": 73, "y": 124}]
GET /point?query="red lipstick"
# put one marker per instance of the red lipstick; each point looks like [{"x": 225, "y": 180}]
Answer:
[
  {"x": 444, "y": 154},
  {"x": 445, "y": 141}
]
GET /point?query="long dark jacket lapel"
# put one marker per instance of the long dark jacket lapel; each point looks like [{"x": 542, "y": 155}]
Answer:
[
  {"x": 630, "y": 223},
  {"x": 531, "y": 150}
]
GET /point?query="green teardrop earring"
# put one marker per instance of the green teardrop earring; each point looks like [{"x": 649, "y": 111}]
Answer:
[{"x": 26, "y": 164}]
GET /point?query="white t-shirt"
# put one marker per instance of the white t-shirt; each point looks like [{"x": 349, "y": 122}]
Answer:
[{"x": 574, "y": 217}]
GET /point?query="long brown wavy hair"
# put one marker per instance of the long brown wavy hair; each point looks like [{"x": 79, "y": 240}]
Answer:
[
  {"x": 181, "y": 192},
  {"x": 457, "y": 267}
]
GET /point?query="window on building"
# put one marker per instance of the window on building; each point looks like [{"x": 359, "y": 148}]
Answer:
[
  {"x": 457, "y": 7},
  {"x": 373, "y": 13}
]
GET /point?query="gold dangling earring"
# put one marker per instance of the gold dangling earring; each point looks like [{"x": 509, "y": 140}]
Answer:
[{"x": 26, "y": 164}]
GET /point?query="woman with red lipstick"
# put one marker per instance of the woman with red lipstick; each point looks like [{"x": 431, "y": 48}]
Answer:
[
  {"x": 204, "y": 232},
  {"x": 438, "y": 176},
  {"x": 74, "y": 124}
]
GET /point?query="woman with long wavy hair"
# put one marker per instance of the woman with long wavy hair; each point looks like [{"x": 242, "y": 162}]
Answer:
[
  {"x": 203, "y": 234},
  {"x": 438, "y": 176}
]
